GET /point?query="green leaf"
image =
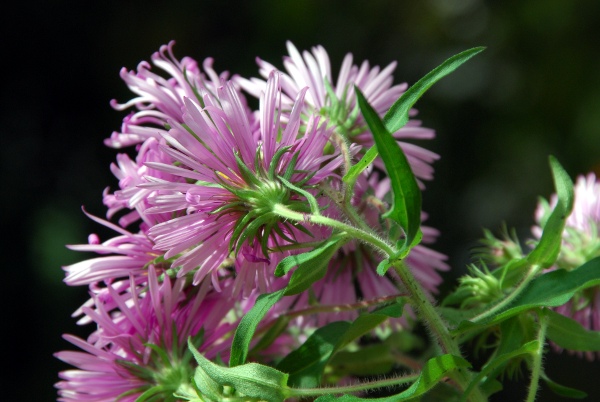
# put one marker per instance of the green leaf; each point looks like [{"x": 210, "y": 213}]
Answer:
[
  {"x": 551, "y": 289},
  {"x": 562, "y": 390},
  {"x": 305, "y": 365},
  {"x": 247, "y": 326},
  {"x": 251, "y": 380},
  {"x": 355, "y": 171},
  {"x": 547, "y": 250},
  {"x": 406, "y": 208},
  {"x": 370, "y": 360},
  {"x": 433, "y": 371},
  {"x": 298, "y": 260},
  {"x": 397, "y": 115},
  {"x": 312, "y": 266},
  {"x": 528, "y": 348},
  {"x": 569, "y": 334}
]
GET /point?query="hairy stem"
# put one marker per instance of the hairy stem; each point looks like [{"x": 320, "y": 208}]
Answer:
[
  {"x": 356, "y": 233},
  {"x": 439, "y": 330},
  {"x": 364, "y": 386},
  {"x": 536, "y": 369}
]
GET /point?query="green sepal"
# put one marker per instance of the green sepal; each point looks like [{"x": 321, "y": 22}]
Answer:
[
  {"x": 570, "y": 334},
  {"x": 432, "y": 373},
  {"x": 547, "y": 250},
  {"x": 251, "y": 380}
]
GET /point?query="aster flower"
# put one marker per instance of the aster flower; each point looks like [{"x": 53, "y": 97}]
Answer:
[
  {"x": 580, "y": 243},
  {"x": 129, "y": 254},
  {"x": 338, "y": 102},
  {"x": 140, "y": 347},
  {"x": 159, "y": 98},
  {"x": 131, "y": 197},
  {"x": 234, "y": 175}
]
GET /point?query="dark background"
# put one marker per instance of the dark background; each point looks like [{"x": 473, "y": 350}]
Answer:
[{"x": 535, "y": 91}]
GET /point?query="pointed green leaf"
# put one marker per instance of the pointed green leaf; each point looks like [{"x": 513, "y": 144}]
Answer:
[
  {"x": 248, "y": 324},
  {"x": 528, "y": 348},
  {"x": 548, "y": 248},
  {"x": 397, "y": 115},
  {"x": 562, "y": 390},
  {"x": 569, "y": 334},
  {"x": 312, "y": 266},
  {"x": 406, "y": 208},
  {"x": 305, "y": 365}
]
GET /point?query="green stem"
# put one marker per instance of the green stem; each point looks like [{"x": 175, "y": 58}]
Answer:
[
  {"x": 536, "y": 369},
  {"x": 356, "y": 233},
  {"x": 387, "y": 382},
  {"x": 437, "y": 326}
]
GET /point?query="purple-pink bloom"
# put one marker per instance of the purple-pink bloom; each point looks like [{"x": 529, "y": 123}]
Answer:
[
  {"x": 232, "y": 171},
  {"x": 140, "y": 346},
  {"x": 159, "y": 98},
  {"x": 129, "y": 254},
  {"x": 337, "y": 101}
]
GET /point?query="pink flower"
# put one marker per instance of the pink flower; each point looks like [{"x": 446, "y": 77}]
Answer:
[
  {"x": 131, "y": 196},
  {"x": 234, "y": 173},
  {"x": 140, "y": 346},
  {"x": 581, "y": 243},
  {"x": 160, "y": 99},
  {"x": 126, "y": 255},
  {"x": 338, "y": 104}
]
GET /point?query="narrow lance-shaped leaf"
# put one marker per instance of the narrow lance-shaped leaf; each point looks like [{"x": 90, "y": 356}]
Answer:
[
  {"x": 406, "y": 207},
  {"x": 312, "y": 265},
  {"x": 248, "y": 324},
  {"x": 562, "y": 390},
  {"x": 397, "y": 115},
  {"x": 548, "y": 248}
]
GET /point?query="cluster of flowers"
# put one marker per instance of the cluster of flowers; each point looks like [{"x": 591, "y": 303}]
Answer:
[
  {"x": 213, "y": 195},
  {"x": 197, "y": 238}
]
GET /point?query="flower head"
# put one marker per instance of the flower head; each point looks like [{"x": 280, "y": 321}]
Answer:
[
  {"x": 337, "y": 102},
  {"x": 235, "y": 173},
  {"x": 140, "y": 346}
]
